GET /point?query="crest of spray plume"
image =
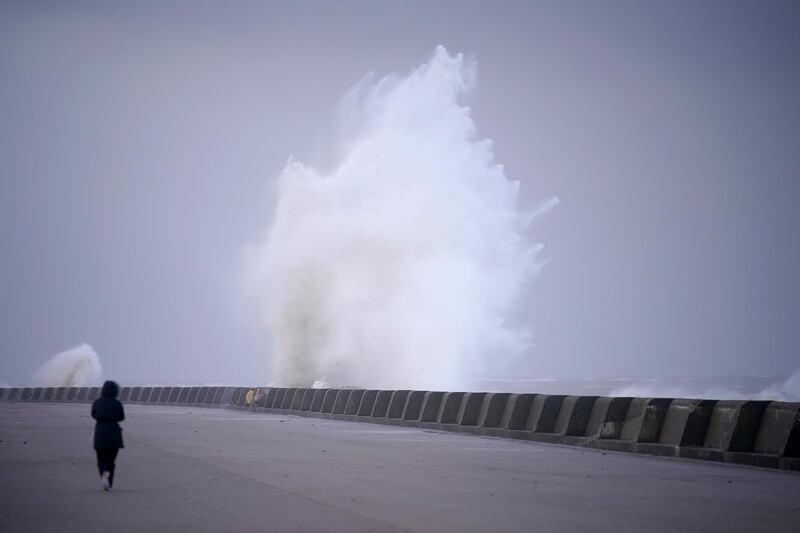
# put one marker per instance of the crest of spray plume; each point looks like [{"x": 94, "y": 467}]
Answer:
[
  {"x": 397, "y": 268},
  {"x": 76, "y": 367}
]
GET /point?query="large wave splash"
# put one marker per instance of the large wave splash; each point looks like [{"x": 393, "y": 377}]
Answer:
[
  {"x": 399, "y": 267},
  {"x": 76, "y": 367}
]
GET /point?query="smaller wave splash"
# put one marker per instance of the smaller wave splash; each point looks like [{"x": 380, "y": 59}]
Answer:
[
  {"x": 77, "y": 367},
  {"x": 787, "y": 390}
]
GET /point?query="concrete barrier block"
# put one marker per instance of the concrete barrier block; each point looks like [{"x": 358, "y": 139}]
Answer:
[
  {"x": 397, "y": 404},
  {"x": 202, "y": 395},
  {"x": 216, "y": 397},
  {"x": 183, "y": 397},
  {"x": 686, "y": 422},
  {"x": 144, "y": 397},
  {"x": 49, "y": 394},
  {"x": 308, "y": 399},
  {"x": 340, "y": 403},
  {"x": 319, "y": 399},
  {"x": 451, "y": 407},
  {"x": 236, "y": 395},
  {"x": 239, "y": 395},
  {"x": 38, "y": 392},
  {"x": 192, "y": 396},
  {"x": 271, "y": 394},
  {"x": 329, "y": 400},
  {"x": 226, "y": 395},
  {"x": 573, "y": 417},
  {"x": 288, "y": 397},
  {"x": 734, "y": 425},
  {"x": 124, "y": 394},
  {"x": 174, "y": 393},
  {"x": 94, "y": 393},
  {"x": 381, "y": 406},
  {"x": 367, "y": 402},
  {"x": 779, "y": 432},
  {"x": 72, "y": 394},
  {"x": 214, "y": 394},
  {"x": 219, "y": 394},
  {"x": 517, "y": 411},
  {"x": 607, "y": 418},
  {"x": 353, "y": 402},
  {"x": 83, "y": 395},
  {"x": 156, "y": 395},
  {"x": 206, "y": 395},
  {"x": 208, "y": 399},
  {"x": 414, "y": 403},
  {"x": 3, "y": 394},
  {"x": 432, "y": 406},
  {"x": 27, "y": 392},
  {"x": 61, "y": 394},
  {"x": 166, "y": 393},
  {"x": 644, "y": 419},
  {"x": 13, "y": 394},
  {"x": 544, "y": 412},
  {"x": 470, "y": 409},
  {"x": 136, "y": 392},
  {"x": 280, "y": 394},
  {"x": 492, "y": 410},
  {"x": 297, "y": 401}
]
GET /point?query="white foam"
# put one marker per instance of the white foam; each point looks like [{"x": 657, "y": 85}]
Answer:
[
  {"x": 399, "y": 267},
  {"x": 76, "y": 367}
]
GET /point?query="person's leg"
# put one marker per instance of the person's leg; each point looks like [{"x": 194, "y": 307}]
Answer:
[
  {"x": 100, "y": 460},
  {"x": 104, "y": 465},
  {"x": 112, "y": 456}
]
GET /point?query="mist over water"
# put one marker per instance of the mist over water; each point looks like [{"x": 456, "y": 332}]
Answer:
[
  {"x": 76, "y": 367},
  {"x": 399, "y": 267}
]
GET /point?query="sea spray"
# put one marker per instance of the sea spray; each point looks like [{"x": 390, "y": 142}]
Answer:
[
  {"x": 76, "y": 367},
  {"x": 399, "y": 267}
]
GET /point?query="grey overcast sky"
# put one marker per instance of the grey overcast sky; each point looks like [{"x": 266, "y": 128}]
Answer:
[{"x": 138, "y": 142}]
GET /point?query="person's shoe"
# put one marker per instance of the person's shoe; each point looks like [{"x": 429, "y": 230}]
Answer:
[{"x": 105, "y": 482}]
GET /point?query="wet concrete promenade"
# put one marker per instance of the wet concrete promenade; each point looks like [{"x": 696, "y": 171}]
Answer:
[{"x": 223, "y": 470}]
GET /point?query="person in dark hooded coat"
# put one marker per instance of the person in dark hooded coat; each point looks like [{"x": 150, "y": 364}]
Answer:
[{"x": 108, "y": 412}]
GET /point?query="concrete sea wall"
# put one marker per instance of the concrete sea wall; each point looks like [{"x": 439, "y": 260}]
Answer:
[{"x": 758, "y": 433}]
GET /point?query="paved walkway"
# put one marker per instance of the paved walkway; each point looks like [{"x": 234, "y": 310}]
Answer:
[{"x": 195, "y": 469}]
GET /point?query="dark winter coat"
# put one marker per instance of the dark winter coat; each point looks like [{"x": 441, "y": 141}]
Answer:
[{"x": 107, "y": 410}]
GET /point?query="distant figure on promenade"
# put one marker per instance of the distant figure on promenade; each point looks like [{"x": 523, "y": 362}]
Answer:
[
  {"x": 248, "y": 399},
  {"x": 256, "y": 398},
  {"x": 108, "y": 412}
]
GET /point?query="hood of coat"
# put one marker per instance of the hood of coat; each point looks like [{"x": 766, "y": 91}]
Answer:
[{"x": 110, "y": 390}]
